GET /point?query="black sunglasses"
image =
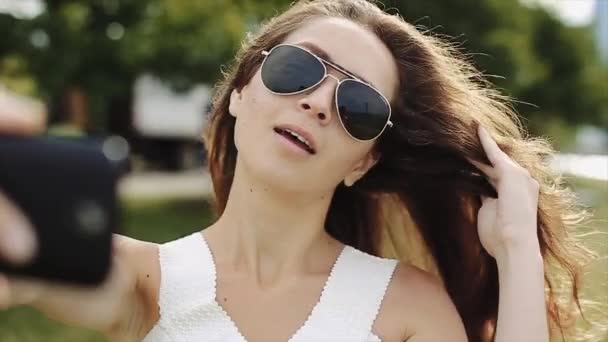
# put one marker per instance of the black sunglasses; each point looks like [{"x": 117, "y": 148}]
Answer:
[{"x": 363, "y": 111}]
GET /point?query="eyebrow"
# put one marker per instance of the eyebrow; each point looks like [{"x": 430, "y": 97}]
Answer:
[{"x": 324, "y": 55}]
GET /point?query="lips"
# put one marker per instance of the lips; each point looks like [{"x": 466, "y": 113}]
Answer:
[{"x": 297, "y": 136}]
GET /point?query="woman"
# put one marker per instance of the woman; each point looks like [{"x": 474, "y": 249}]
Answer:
[{"x": 354, "y": 132}]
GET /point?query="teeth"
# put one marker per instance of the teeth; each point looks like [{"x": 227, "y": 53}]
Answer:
[{"x": 301, "y": 138}]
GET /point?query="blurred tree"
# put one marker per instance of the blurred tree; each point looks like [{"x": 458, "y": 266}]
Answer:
[
  {"x": 553, "y": 70},
  {"x": 574, "y": 85},
  {"x": 75, "y": 44},
  {"x": 102, "y": 45},
  {"x": 186, "y": 41}
]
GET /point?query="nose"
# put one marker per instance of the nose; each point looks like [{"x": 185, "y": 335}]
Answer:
[{"x": 319, "y": 101}]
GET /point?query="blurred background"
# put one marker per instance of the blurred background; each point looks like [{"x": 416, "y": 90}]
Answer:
[{"x": 140, "y": 74}]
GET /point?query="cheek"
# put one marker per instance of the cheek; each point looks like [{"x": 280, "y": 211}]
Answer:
[
  {"x": 247, "y": 129},
  {"x": 250, "y": 119},
  {"x": 253, "y": 129},
  {"x": 342, "y": 159}
]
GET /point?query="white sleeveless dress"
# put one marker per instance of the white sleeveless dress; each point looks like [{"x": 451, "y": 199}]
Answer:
[{"x": 346, "y": 310}]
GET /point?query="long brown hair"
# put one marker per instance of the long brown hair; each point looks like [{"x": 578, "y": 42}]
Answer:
[{"x": 419, "y": 202}]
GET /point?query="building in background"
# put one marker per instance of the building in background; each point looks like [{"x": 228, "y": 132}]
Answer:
[{"x": 168, "y": 125}]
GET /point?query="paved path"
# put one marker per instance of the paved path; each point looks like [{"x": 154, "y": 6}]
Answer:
[{"x": 151, "y": 185}]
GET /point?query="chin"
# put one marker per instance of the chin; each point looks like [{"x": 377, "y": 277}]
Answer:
[{"x": 274, "y": 173}]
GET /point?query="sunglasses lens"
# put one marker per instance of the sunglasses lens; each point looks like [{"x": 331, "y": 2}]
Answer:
[
  {"x": 363, "y": 111},
  {"x": 288, "y": 69}
]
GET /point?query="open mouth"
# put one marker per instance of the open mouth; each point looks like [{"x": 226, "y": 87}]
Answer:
[{"x": 297, "y": 139}]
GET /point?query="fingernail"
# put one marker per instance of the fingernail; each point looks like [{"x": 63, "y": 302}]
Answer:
[{"x": 18, "y": 243}]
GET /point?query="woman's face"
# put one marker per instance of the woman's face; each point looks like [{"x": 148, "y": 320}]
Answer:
[{"x": 270, "y": 156}]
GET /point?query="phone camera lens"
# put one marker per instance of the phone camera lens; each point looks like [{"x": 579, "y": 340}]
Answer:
[{"x": 91, "y": 218}]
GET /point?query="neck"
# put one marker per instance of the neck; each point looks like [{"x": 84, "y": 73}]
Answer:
[{"x": 270, "y": 233}]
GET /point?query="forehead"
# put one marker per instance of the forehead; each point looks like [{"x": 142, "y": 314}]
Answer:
[{"x": 353, "y": 47}]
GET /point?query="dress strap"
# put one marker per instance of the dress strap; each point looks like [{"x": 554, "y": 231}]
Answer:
[
  {"x": 351, "y": 298},
  {"x": 187, "y": 276},
  {"x": 188, "y": 309}
]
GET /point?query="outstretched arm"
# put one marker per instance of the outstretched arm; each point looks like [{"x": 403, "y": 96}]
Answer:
[{"x": 118, "y": 308}]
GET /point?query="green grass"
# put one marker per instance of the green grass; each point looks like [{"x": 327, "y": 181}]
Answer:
[
  {"x": 594, "y": 194},
  {"x": 165, "y": 220}
]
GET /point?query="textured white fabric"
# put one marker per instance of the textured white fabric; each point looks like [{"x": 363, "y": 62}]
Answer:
[{"x": 346, "y": 310}]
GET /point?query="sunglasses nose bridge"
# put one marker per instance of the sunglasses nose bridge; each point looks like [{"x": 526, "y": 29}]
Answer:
[
  {"x": 322, "y": 81},
  {"x": 332, "y": 76},
  {"x": 316, "y": 101},
  {"x": 335, "y": 87}
]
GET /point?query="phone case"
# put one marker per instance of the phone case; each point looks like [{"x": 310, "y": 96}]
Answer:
[{"x": 67, "y": 189}]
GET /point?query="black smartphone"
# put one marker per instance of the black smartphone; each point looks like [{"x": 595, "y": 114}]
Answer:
[{"x": 67, "y": 189}]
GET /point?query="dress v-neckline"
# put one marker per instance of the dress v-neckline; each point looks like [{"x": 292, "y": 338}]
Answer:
[{"x": 316, "y": 307}]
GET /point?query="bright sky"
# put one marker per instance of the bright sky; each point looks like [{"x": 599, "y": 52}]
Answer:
[
  {"x": 572, "y": 12},
  {"x": 22, "y": 8}
]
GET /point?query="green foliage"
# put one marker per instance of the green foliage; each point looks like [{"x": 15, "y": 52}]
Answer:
[
  {"x": 185, "y": 41},
  {"x": 102, "y": 45},
  {"x": 538, "y": 60},
  {"x": 164, "y": 220}
]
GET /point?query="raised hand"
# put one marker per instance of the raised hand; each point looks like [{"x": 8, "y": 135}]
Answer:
[{"x": 508, "y": 223}]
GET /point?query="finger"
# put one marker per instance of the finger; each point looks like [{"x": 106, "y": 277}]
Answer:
[
  {"x": 488, "y": 170},
  {"x": 17, "y": 238},
  {"x": 494, "y": 153},
  {"x": 485, "y": 200},
  {"x": 19, "y": 290},
  {"x": 20, "y": 115},
  {"x": 24, "y": 291},
  {"x": 18, "y": 124}
]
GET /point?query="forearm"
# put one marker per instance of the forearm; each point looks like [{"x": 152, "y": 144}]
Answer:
[
  {"x": 96, "y": 310},
  {"x": 61, "y": 303},
  {"x": 522, "y": 312}
]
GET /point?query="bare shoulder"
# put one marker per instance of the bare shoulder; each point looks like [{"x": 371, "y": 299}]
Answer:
[
  {"x": 419, "y": 302},
  {"x": 141, "y": 255},
  {"x": 142, "y": 258}
]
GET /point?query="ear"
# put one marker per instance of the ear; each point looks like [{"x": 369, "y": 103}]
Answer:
[
  {"x": 236, "y": 98},
  {"x": 361, "y": 168}
]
